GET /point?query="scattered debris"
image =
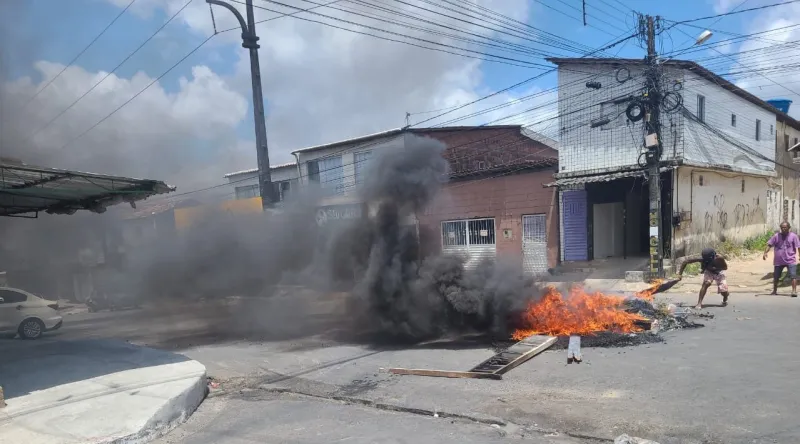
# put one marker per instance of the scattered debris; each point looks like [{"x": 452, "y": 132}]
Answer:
[
  {"x": 574, "y": 350},
  {"x": 494, "y": 367},
  {"x": 743, "y": 319},
  {"x": 625, "y": 439}
]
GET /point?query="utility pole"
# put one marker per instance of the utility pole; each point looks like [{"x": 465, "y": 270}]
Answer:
[
  {"x": 653, "y": 143},
  {"x": 250, "y": 41}
]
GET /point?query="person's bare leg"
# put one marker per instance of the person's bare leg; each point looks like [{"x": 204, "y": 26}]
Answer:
[{"x": 702, "y": 294}]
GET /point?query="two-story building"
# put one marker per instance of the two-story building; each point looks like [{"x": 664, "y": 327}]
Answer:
[
  {"x": 719, "y": 147},
  {"x": 244, "y": 184},
  {"x": 785, "y": 193},
  {"x": 492, "y": 205}
]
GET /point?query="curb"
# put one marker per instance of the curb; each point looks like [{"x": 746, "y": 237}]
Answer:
[{"x": 170, "y": 416}]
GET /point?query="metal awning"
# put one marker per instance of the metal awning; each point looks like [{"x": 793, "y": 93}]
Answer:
[
  {"x": 605, "y": 177},
  {"x": 31, "y": 189}
]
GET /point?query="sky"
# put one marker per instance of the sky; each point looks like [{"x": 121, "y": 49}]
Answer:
[{"x": 160, "y": 95}]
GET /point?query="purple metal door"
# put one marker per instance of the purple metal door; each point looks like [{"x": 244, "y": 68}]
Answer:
[{"x": 576, "y": 234}]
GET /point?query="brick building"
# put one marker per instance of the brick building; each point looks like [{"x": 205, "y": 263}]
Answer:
[{"x": 494, "y": 204}]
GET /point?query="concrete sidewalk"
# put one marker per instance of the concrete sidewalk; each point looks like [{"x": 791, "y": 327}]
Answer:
[{"x": 98, "y": 391}]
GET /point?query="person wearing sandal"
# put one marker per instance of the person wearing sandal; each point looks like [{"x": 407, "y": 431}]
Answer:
[
  {"x": 713, "y": 266},
  {"x": 786, "y": 245}
]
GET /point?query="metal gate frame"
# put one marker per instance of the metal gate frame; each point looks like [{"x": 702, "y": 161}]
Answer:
[
  {"x": 543, "y": 241},
  {"x": 465, "y": 248}
]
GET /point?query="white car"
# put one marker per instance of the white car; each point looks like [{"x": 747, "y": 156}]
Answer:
[{"x": 26, "y": 314}]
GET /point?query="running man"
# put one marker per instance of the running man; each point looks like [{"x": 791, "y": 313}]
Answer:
[
  {"x": 785, "y": 244},
  {"x": 713, "y": 266}
]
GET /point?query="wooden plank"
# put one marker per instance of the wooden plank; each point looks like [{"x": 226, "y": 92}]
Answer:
[
  {"x": 444, "y": 373},
  {"x": 514, "y": 355},
  {"x": 544, "y": 342}
]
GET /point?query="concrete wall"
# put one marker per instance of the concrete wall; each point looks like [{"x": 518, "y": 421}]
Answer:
[
  {"x": 617, "y": 143},
  {"x": 704, "y": 147},
  {"x": 787, "y": 185},
  {"x": 506, "y": 199},
  {"x": 714, "y": 208}
]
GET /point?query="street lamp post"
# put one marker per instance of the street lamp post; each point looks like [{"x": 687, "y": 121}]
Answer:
[{"x": 250, "y": 41}]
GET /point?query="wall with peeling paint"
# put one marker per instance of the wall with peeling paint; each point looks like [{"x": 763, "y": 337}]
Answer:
[{"x": 714, "y": 207}]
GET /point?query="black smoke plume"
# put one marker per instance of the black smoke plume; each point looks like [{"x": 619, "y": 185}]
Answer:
[{"x": 407, "y": 298}]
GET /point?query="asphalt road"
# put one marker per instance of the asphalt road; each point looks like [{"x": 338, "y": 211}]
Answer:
[
  {"x": 733, "y": 381},
  {"x": 267, "y": 418}
]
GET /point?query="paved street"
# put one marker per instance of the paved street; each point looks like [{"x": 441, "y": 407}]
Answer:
[{"x": 730, "y": 382}]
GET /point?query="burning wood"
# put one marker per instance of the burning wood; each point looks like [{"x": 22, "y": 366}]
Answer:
[{"x": 580, "y": 313}]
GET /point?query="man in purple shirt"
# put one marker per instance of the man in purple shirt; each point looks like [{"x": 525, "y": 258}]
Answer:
[{"x": 786, "y": 245}]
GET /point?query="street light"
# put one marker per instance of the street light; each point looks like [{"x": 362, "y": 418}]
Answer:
[
  {"x": 250, "y": 41},
  {"x": 703, "y": 37}
]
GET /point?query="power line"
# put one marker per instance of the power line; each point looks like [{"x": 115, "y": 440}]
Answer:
[
  {"x": 174, "y": 65},
  {"x": 86, "y": 48},
  {"x": 501, "y": 59},
  {"x": 516, "y": 85},
  {"x": 758, "y": 8},
  {"x": 512, "y": 47},
  {"x": 553, "y": 39},
  {"x": 110, "y": 72}
]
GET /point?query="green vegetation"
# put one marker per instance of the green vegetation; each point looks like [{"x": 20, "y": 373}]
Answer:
[
  {"x": 692, "y": 270},
  {"x": 758, "y": 243},
  {"x": 755, "y": 244}
]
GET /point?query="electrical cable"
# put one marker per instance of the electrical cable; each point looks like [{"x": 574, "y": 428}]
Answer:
[
  {"x": 86, "y": 48},
  {"x": 152, "y": 36}
]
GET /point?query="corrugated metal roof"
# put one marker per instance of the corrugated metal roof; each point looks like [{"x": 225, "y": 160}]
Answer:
[
  {"x": 27, "y": 189},
  {"x": 595, "y": 178},
  {"x": 393, "y": 132},
  {"x": 255, "y": 170}
]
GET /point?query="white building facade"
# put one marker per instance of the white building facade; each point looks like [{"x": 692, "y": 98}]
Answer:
[
  {"x": 244, "y": 184},
  {"x": 718, "y": 160}
]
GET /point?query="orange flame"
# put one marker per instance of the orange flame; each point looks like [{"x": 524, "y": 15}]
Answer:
[
  {"x": 647, "y": 293},
  {"x": 581, "y": 313}
]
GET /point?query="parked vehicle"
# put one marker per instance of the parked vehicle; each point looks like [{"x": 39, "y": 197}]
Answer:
[{"x": 27, "y": 315}]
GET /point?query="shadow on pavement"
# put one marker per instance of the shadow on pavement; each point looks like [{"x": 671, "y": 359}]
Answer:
[{"x": 28, "y": 366}]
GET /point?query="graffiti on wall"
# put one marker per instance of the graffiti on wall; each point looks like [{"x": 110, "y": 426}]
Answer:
[{"x": 723, "y": 209}]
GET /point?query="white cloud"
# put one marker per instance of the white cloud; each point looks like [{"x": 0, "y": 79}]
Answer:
[
  {"x": 158, "y": 135},
  {"x": 321, "y": 85},
  {"x": 723, "y": 6},
  {"x": 761, "y": 60}
]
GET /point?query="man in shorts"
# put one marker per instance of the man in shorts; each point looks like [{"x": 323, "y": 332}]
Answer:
[
  {"x": 785, "y": 244},
  {"x": 713, "y": 266}
]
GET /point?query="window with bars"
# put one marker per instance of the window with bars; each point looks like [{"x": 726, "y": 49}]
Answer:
[
  {"x": 361, "y": 160},
  {"x": 328, "y": 173},
  {"x": 758, "y": 129},
  {"x": 468, "y": 232},
  {"x": 247, "y": 191}
]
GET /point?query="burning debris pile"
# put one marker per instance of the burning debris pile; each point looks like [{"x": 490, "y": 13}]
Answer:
[
  {"x": 604, "y": 320},
  {"x": 580, "y": 313}
]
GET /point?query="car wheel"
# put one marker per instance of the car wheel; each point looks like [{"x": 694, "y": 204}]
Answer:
[{"x": 31, "y": 329}]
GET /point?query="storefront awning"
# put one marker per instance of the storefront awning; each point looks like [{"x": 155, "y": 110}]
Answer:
[
  {"x": 31, "y": 189},
  {"x": 606, "y": 177}
]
